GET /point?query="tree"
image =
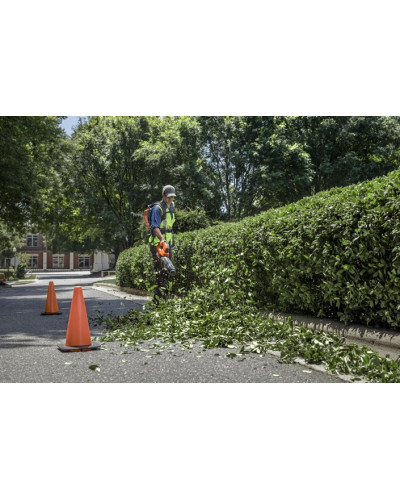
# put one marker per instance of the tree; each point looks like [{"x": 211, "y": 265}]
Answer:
[
  {"x": 254, "y": 165},
  {"x": 172, "y": 155},
  {"x": 346, "y": 149},
  {"x": 104, "y": 183},
  {"x": 118, "y": 165},
  {"x": 29, "y": 154},
  {"x": 279, "y": 169},
  {"x": 9, "y": 238},
  {"x": 89, "y": 192},
  {"x": 262, "y": 162},
  {"x": 222, "y": 137}
]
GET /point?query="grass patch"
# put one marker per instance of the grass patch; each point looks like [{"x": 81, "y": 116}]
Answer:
[{"x": 27, "y": 278}]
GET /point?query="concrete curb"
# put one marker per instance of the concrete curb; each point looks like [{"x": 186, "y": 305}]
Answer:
[
  {"x": 319, "y": 368},
  {"x": 17, "y": 283},
  {"x": 363, "y": 334},
  {"x": 124, "y": 293},
  {"x": 27, "y": 282}
]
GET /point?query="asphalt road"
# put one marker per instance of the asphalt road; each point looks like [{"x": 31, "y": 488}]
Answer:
[{"x": 28, "y": 346}]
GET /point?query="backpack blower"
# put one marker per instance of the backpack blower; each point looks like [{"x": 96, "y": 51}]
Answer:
[{"x": 165, "y": 260}]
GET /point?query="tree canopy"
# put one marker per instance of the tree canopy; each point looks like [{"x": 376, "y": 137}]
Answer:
[
  {"x": 29, "y": 150},
  {"x": 89, "y": 191}
]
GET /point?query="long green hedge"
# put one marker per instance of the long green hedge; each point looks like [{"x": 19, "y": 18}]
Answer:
[{"x": 333, "y": 255}]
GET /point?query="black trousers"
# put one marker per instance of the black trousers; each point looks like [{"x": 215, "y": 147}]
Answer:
[{"x": 162, "y": 276}]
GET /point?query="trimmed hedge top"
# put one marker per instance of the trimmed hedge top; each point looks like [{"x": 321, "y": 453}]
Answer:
[{"x": 335, "y": 254}]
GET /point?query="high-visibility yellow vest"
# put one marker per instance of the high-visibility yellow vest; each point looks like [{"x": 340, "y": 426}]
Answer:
[{"x": 167, "y": 221}]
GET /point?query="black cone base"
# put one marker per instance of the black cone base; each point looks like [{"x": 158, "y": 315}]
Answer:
[
  {"x": 49, "y": 314},
  {"x": 67, "y": 348}
]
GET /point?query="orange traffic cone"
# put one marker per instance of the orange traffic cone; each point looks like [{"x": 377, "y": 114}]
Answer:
[
  {"x": 78, "y": 333},
  {"x": 51, "y": 302}
]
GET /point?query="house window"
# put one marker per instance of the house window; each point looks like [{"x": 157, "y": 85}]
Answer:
[
  {"x": 83, "y": 261},
  {"x": 32, "y": 240},
  {"x": 33, "y": 261},
  {"x": 58, "y": 261}
]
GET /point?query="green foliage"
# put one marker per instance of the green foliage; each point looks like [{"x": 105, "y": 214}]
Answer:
[
  {"x": 22, "y": 266},
  {"x": 335, "y": 254},
  {"x": 9, "y": 238},
  {"x": 29, "y": 150},
  {"x": 106, "y": 181},
  {"x": 88, "y": 192},
  {"x": 222, "y": 138},
  {"x": 258, "y": 162},
  {"x": 116, "y": 167},
  {"x": 345, "y": 149},
  {"x": 191, "y": 220},
  {"x": 201, "y": 317},
  {"x": 94, "y": 187},
  {"x": 134, "y": 268}
]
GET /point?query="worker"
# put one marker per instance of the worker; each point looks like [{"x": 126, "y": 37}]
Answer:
[{"x": 162, "y": 220}]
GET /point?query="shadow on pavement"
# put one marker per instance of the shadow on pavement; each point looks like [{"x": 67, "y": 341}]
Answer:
[{"x": 22, "y": 323}]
